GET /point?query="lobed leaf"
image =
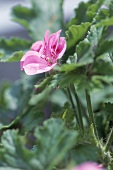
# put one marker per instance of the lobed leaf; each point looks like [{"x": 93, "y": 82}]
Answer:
[
  {"x": 76, "y": 33},
  {"x": 53, "y": 133}
]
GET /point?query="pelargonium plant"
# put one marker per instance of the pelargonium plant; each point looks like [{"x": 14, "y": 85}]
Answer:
[{"x": 59, "y": 114}]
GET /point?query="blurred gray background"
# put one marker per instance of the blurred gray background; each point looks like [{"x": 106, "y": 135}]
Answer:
[{"x": 8, "y": 28}]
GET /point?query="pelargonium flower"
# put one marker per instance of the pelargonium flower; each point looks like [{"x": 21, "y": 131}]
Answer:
[
  {"x": 43, "y": 55},
  {"x": 88, "y": 166}
]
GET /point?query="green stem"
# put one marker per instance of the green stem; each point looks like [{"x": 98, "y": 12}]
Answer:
[
  {"x": 72, "y": 103},
  {"x": 90, "y": 111},
  {"x": 109, "y": 140},
  {"x": 79, "y": 107}
]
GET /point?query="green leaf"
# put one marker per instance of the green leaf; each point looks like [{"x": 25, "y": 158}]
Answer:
[
  {"x": 35, "y": 20},
  {"x": 11, "y": 49},
  {"x": 23, "y": 17},
  {"x": 4, "y": 86},
  {"x": 69, "y": 67},
  {"x": 53, "y": 142},
  {"x": 54, "y": 98},
  {"x": 80, "y": 13},
  {"x": 105, "y": 47},
  {"x": 76, "y": 76},
  {"x": 14, "y": 154},
  {"x": 86, "y": 49},
  {"x": 31, "y": 118},
  {"x": 105, "y": 22},
  {"x": 93, "y": 9},
  {"x": 101, "y": 96},
  {"x": 40, "y": 98},
  {"x": 99, "y": 65},
  {"x": 108, "y": 111},
  {"x": 85, "y": 52},
  {"x": 90, "y": 151},
  {"x": 86, "y": 11},
  {"x": 76, "y": 33},
  {"x": 50, "y": 81},
  {"x": 60, "y": 139},
  {"x": 103, "y": 13},
  {"x": 19, "y": 93}
]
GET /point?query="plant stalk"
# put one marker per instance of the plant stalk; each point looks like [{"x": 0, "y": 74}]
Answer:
[
  {"x": 90, "y": 111},
  {"x": 109, "y": 140},
  {"x": 79, "y": 107},
  {"x": 72, "y": 103}
]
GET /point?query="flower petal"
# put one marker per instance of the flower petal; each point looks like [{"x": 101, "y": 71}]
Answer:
[
  {"x": 88, "y": 166},
  {"x": 61, "y": 47},
  {"x": 29, "y": 53},
  {"x": 37, "y": 46},
  {"x": 54, "y": 40},
  {"x": 52, "y": 45},
  {"x": 46, "y": 36},
  {"x": 33, "y": 69},
  {"x": 34, "y": 63}
]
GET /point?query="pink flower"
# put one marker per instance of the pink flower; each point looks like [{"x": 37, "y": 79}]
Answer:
[
  {"x": 89, "y": 166},
  {"x": 43, "y": 55}
]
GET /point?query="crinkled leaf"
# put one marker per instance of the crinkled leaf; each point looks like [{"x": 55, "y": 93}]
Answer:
[
  {"x": 86, "y": 11},
  {"x": 105, "y": 22},
  {"x": 53, "y": 133},
  {"x": 93, "y": 10},
  {"x": 86, "y": 49},
  {"x": 14, "y": 153},
  {"x": 76, "y": 33}
]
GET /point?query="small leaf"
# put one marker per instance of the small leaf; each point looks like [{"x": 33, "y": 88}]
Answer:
[
  {"x": 105, "y": 22},
  {"x": 76, "y": 33}
]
